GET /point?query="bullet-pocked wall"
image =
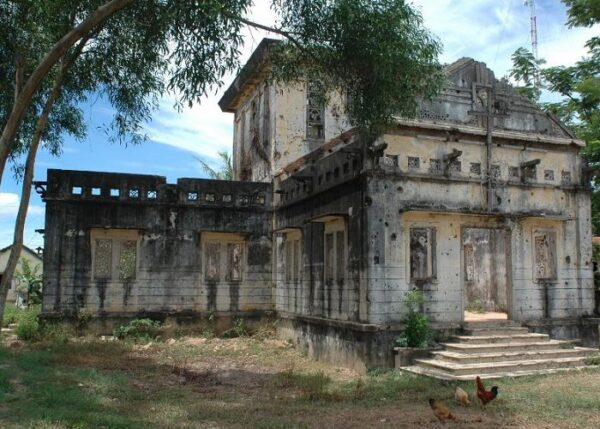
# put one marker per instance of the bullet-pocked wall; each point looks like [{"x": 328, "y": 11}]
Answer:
[
  {"x": 430, "y": 226},
  {"x": 320, "y": 256},
  {"x": 129, "y": 244}
]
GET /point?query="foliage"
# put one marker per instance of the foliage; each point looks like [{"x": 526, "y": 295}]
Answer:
[
  {"x": 358, "y": 47},
  {"x": 138, "y": 330},
  {"x": 237, "y": 330},
  {"x": 593, "y": 360},
  {"x": 82, "y": 320},
  {"x": 57, "y": 333},
  {"x": 225, "y": 171},
  {"x": 12, "y": 314},
  {"x": 28, "y": 326},
  {"x": 417, "y": 331},
  {"x": 30, "y": 282}
]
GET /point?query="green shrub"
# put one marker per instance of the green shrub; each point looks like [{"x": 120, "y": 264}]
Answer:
[
  {"x": 55, "y": 332},
  {"x": 237, "y": 330},
  {"x": 28, "y": 327},
  {"x": 417, "y": 331},
  {"x": 138, "y": 329},
  {"x": 12, "y": 314},
  {"x": 82, "y": 320}
]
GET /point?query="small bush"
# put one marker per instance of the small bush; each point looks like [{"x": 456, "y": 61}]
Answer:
[
  {"x": 138, "y": 329},
  {"x": 83, "y": 318},
  {"x": 12, "y": 314},
  {"x": 417, "y": 332},
  {"x": 238, "y": 330},
  {"x": 28, "y": 327}
]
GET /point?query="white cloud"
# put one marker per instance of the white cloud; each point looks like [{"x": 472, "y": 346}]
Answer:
[
  {"x": 487, "y": 30},
  {"x": 9, "y": 205}
]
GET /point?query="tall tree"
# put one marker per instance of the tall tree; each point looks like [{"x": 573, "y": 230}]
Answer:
[{"x": 133, "y": 51}]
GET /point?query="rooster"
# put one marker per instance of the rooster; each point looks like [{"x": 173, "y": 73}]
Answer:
[
  {"x": 485, "y": 396},
  {"x": 441, "y": 411}
]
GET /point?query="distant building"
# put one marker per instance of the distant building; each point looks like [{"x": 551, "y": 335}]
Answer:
[{"x": 33, "y": 258}]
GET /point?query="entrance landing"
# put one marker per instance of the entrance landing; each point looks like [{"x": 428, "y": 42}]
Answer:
[{"x": 483, "y": 317}]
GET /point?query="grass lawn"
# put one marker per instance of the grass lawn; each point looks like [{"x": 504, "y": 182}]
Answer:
[{"x": 257, "y": 383}]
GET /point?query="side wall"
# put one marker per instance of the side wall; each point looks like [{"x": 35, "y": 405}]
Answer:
[{"x": 169, "y": 222}]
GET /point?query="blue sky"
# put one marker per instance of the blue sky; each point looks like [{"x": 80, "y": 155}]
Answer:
[{"x": 487, "y": 30}]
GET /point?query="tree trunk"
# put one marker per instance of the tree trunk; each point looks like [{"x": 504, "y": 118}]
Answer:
[
  {"x": 34, "y": 82},
  {"x": 17, "y": 247}
]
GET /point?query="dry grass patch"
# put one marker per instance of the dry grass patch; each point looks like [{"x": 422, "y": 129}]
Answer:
[{"x": 257, "y": 382}]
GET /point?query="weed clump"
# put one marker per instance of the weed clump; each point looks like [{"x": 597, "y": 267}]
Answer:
[
  {"x": 138, "y": 330},
  {"x": 237, "y": 330}
]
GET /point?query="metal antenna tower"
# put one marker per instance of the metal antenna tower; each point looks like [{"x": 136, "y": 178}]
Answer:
[{"x": 534, "y": 36}]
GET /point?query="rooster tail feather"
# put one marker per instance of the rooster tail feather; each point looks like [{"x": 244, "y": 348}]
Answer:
[{"x": 480, "y": 385}]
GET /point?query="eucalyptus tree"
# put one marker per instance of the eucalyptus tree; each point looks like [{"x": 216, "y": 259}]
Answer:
[{"x": 59, "y": 52}]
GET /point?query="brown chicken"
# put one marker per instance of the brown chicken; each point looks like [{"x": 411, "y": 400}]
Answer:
[
  {"x": 462, "y": 397},
  {"x": 441, "y": 411},
  {"x": 485, "y": 396}
]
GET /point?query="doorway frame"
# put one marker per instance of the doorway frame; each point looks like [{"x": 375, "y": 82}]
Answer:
[{"x": 509, "y": 271}]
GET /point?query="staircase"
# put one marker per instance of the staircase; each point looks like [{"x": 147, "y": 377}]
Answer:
[{"x": 495, "y": 349}]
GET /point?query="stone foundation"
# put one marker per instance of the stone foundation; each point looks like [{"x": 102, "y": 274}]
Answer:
[
  {"x": 175, "y": 323},
  {"x": 584, "y": 329}
]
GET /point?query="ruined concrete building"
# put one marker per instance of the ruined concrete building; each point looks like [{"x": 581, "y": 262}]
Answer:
[{"x": 479, "y": 201}]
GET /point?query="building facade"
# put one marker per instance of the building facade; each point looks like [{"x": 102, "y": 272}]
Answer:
[{"x": 480, "y": 202}]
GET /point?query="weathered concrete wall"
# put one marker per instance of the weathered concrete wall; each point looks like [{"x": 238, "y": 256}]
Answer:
[
  {"x": 253, "y": 135},
  {"x": 169, "y": 227},
  {"x": 353, "y": 345},
  {"x": 291, "y": 141},
  {"x": 407, "y": 194},
  {"x": 323, "y": 199},
  {"x": 270, "y": 129}
]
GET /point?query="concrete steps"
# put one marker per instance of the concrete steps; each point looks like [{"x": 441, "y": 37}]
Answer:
[
  {"x": 553, "y": 353},
  {"x": 477, "y": 332},
  {"x": 500, "y": 349},
  {"x": 504, "y": 339}
]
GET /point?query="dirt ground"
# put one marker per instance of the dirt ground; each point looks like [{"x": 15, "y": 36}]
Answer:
[{"x": 262, "y": 382}]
